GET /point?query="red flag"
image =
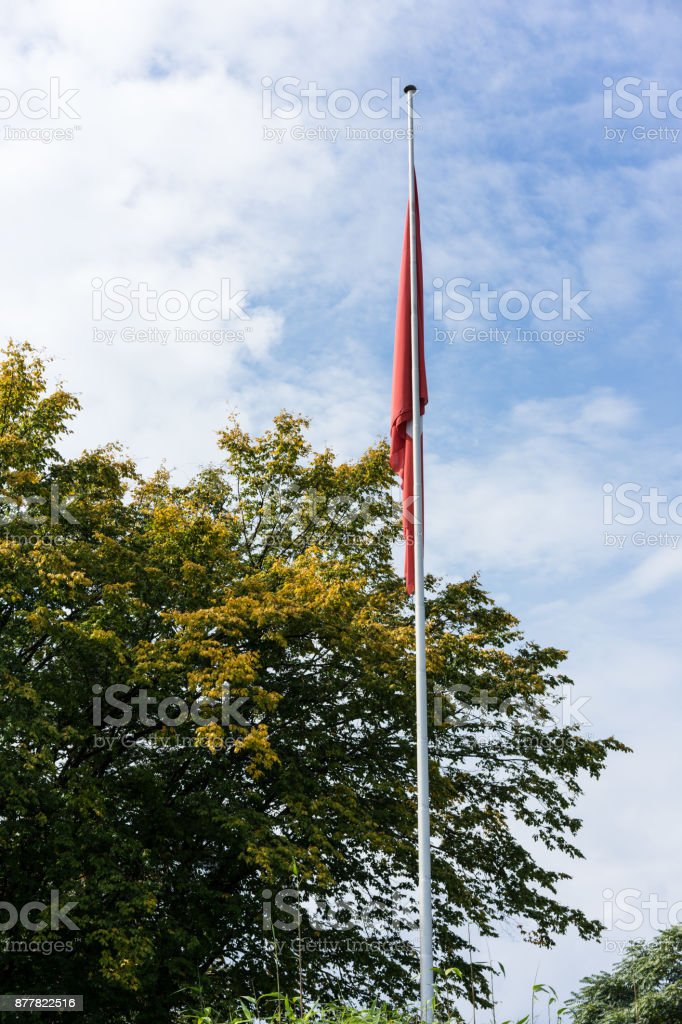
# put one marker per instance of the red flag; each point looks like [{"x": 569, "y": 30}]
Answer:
[{"x": 401, "y": 457}]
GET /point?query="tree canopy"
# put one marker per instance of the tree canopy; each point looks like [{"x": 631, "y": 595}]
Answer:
[
  {"x": 645, "y": 987},
  {"x": 207, "y": 727}
]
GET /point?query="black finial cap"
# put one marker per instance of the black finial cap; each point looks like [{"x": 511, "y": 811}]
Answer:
[{"x": 410, "y": 88}]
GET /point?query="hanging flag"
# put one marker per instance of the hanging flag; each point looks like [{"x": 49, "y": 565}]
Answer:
[{"x": 401, "y": 457}]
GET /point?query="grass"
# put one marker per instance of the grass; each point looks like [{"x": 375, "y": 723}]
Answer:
[{"x": 278, "y": 1009}]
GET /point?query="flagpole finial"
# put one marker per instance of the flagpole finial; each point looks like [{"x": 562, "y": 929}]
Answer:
[{"x": 410, "y": 88}]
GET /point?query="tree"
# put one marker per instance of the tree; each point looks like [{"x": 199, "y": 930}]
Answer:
[
  {"x": 207, "y": 727},
  {"x": 645, "y": 987}
]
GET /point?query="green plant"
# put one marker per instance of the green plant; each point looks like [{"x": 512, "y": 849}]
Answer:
[
  {"x": 270, "y": 575},
  {"x": 644, "y": 988}
]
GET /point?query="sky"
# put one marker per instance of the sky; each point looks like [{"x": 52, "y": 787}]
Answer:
[{"x": 239, "y": 171}]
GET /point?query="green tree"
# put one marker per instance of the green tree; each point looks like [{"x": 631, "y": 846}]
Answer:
[
  {"x": 644, "y": 988},
  {"x": 189, "y": 846}
]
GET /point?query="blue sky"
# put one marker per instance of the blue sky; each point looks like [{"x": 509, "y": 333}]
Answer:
[{"x": 169, "y": 174}]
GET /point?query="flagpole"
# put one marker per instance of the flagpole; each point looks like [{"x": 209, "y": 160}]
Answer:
[{"x": 424, "y": 827}]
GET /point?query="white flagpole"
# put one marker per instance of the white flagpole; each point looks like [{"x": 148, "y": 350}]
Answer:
[{"x": 424, "y": 827}]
